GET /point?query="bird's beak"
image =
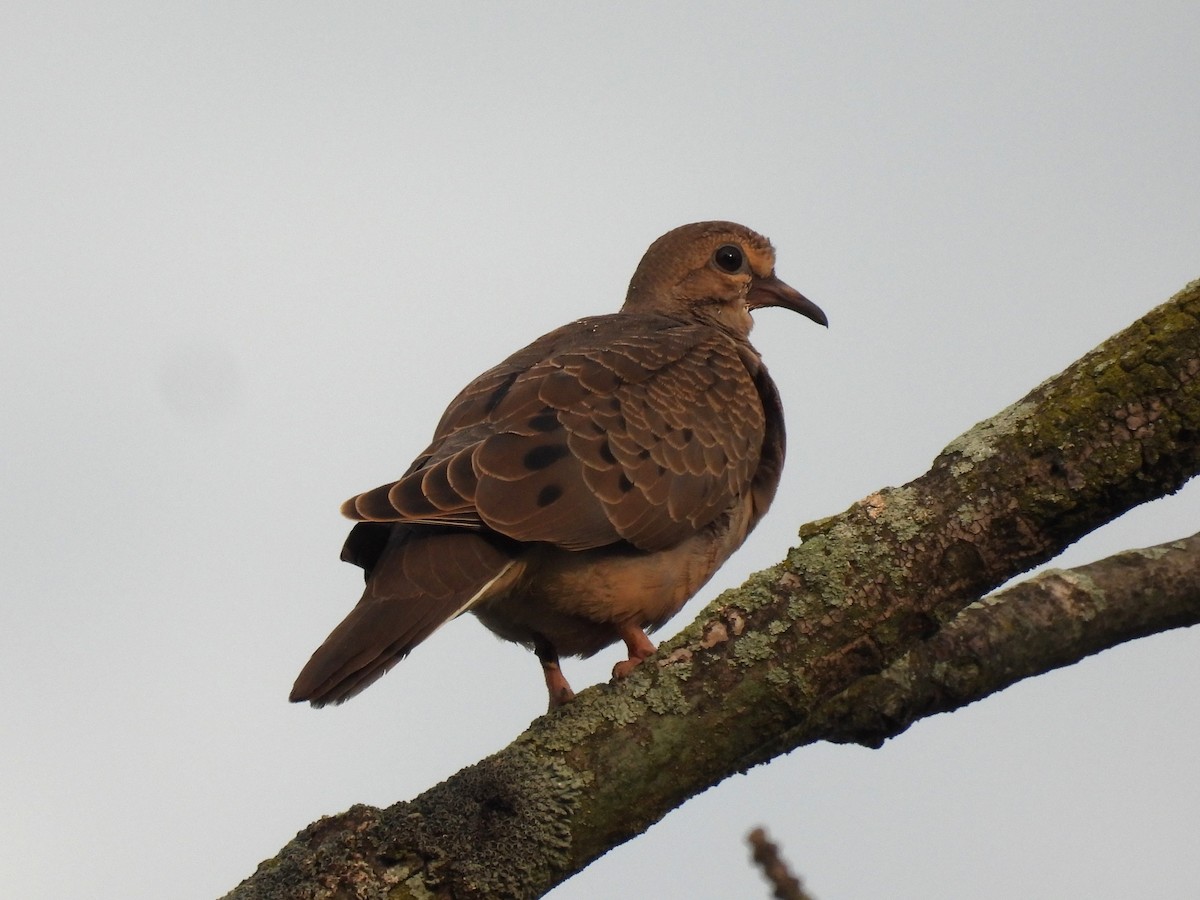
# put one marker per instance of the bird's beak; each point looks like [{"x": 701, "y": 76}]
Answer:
[{"x": 770, "y": 291}]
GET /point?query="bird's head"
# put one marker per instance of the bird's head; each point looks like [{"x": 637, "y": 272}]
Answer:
[{"x": 714, "y": 271}]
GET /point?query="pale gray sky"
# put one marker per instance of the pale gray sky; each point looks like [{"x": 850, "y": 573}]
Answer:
[{"x": 252, "y": 249}]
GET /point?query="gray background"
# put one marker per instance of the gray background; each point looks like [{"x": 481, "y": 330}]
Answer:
[{"x": 252, "y": 249}]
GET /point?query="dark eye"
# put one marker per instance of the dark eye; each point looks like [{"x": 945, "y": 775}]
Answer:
[{"x": 728, "y": 258}]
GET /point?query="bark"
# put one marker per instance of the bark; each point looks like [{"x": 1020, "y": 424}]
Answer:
[{"x": 873, "y": 622}]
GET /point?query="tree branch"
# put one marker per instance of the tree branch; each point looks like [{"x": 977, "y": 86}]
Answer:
[
  {"x": 785, "y": 885},
  {"x": 857, "y": 633},
  {"x": 1052, "y": 620}
]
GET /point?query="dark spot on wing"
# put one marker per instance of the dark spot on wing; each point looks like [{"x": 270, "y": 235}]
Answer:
[
  {"x": 500, "y": 393},
  {"x": 546, "y": 455},
  {"x": 548, "y": 495},
  {"x": 547, "y": 420}
]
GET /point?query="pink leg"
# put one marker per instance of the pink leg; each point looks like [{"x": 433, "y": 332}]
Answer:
[
  {"x": 556, "y": 684},
  {"x": 639, "y": 647}
]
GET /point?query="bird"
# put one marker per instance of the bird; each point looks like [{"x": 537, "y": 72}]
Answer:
[{"x": 579, "y": 493}]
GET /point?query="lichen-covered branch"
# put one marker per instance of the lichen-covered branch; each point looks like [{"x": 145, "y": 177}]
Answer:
[
  {"x": 1051, "y": 620},
  {"x": 863, "y": 612}
]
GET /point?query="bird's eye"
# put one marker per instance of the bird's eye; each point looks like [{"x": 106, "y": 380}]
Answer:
[{"x": 728, "y": 258}]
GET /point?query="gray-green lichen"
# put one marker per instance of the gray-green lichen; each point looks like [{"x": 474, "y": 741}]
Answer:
[
  {"x": 979, "y": 443},
  {"x": 415, "y": 888},
  {"x": 498, "y": 826},
  {"x": 750, "y": 648},
  {"x": 899, "y": 510},
  {"x": 779, "y": 676},
  {"x": 665, "y": 697},
  {"x": 1080, "y": 581},
  {"x": 1160, "y": 551}
]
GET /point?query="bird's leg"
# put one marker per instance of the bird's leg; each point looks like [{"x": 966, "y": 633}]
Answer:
[
  {"x": 639, "y": 647},
  {"x": 556, "y": 683}
]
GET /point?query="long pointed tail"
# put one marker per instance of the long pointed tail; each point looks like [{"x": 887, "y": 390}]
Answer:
[{"x": 423, "y": 579}]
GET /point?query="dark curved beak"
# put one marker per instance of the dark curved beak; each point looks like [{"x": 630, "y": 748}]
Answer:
[{"x": 770, "y": 291}]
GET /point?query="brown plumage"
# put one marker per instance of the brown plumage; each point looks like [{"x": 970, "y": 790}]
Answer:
[{"x": 585, "y": 488}]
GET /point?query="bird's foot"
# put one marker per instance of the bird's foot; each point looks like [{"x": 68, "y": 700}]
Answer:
[
  {"x": 639, "y": 647},
  {"x": 556, "y": 684}
]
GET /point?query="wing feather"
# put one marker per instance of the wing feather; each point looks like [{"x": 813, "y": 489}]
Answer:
[{"x": 606, "y": 430}]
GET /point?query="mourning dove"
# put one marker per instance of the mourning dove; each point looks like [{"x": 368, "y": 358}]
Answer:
[{"x": 584, "y": 489}]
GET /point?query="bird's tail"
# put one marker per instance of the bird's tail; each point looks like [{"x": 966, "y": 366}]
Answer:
[{"x": 422, "y": 580}]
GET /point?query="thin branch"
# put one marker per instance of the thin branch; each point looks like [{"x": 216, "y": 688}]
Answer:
[
  {"x": 1052, "y": 620},
  {"x": 785, "y": 885}
]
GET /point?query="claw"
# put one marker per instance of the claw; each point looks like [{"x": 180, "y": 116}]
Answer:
[{"x": 639, "y": 647}]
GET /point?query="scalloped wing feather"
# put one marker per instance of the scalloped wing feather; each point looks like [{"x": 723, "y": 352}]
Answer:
[{"x": 605, "y": 430}]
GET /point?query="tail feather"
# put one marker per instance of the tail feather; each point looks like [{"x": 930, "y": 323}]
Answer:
[{"x": 423, "y": 578}]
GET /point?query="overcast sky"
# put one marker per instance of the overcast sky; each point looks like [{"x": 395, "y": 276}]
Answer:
[{"x": 250, "y": 250}]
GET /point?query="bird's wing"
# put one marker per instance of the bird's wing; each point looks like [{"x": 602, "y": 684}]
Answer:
[{"x": 615, "y": 428}]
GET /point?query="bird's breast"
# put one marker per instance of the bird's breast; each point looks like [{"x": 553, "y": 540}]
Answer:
[{"x": 575, "y": 599}]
